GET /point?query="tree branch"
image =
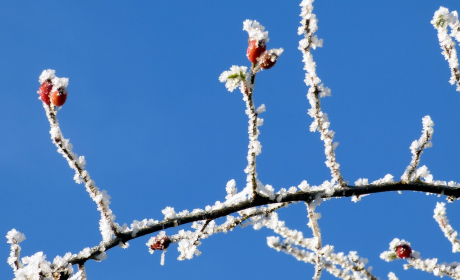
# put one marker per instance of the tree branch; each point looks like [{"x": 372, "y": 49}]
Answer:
[{"x": 305, "y": 196}]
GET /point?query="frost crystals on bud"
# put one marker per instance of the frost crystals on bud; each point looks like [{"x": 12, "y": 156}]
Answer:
[
  {"x": 268, "y": 59},
  {"x": 159, "y": 242}
]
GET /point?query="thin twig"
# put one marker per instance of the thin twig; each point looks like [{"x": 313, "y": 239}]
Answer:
[
  {"x": 62, "y": 146},
  {"x": 253, "y": 131},
  {"x": 313, "y": 224}
]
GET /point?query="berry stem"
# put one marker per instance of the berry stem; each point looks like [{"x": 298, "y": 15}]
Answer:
[
  {"x": 65, "y": 149},
  {"x": 253, "y": 132}
]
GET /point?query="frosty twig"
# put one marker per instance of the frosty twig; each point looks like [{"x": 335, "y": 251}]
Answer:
[
  {"x": 351, "y": 266},
  {"x": 417, "y": 148},
  {"x": 441, "y": 20},
  {"x": 102, "y": 199},
  {"x": 441, "y": 218},
  {"x": 317, "y": 90},
  {"x": 313, "y": 224}
]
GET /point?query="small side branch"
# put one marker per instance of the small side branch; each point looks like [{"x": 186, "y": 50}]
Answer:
[
  {"x": 81, "y": 175},
  {"x": 417, "y": 148},
  {"x": 313, "y": 224},
  {"x": 317, "y": 90},
  {"x": 82, "y": 271},
  {"x": 441, "y": 218},
  {"x": 347, "y": 271},
  {"x": 432, "y": 266},
  {"x": 14, "y": 237},
  {"x": 254, "y": 147},
  {"x": 441, "y": 20},
  {"x": 198, "y": 236},
  {"x": 107, "y": 225}
]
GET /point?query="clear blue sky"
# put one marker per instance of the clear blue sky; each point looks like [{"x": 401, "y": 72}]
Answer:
[{"x": 157, "y": 128}]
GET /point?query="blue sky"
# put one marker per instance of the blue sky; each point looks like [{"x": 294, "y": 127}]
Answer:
[{"x": 157, "y": 128}]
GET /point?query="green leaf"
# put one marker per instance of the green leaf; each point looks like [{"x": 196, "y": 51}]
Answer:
[{"x": 232, "y": 76}]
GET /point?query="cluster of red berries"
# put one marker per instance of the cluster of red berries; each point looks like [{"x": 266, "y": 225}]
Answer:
[
  {"x": 57, "y": 97},
  {"x": 161, "y": 242},
  {"x": 403, "y": 251},
  {"x": 257, "y": 52}
]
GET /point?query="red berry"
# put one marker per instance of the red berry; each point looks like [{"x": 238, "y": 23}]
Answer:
[
  {"x": 161, "y": 242},
  {"x": 403, "y": 251},
  {"x": 255, "y": 49},
  {"x": 267, "y": 60},
  {"x": 45, "y": 90},
  {"x": 59, "y": 97}
]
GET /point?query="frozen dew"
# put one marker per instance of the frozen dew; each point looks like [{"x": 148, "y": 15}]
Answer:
[
  {"x": 14, "y": 236},
  {"x": 261, "y": 109},
  {"x": 48, "y": 74},
  {"x": 255, "y": 30},
  {"x": 169, "y": 213}
]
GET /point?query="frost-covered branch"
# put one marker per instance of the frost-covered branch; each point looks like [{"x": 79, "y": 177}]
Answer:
[
  {"x": 441, "y": 20},
  {"x": 351, "y": 266},
  {"x": 189, "y": 241},
  {"x": 254, "y": 145},
  {"x": 313, "y": 224},
  {"x": 400, "y": 249},
  {"x": 14, "y": 237},
  {"x": 451, "y": 270},
  {"x": 237, "y": 76},
  {"x": 417, "y": 148},
  {"x": 306, "y": 196},
  {"x": 77, "y": 163},
  {"x": 317, "y": 90},
  {"x": 441, "y": 217},
  {"x": 36, "y": 266},
  {"x": 81, "y": 274}
]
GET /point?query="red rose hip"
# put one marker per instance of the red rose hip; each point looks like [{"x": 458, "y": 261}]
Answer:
[
  {"x": 161, "y": 242},
  {"x": 267, "y": 60},
  {"x": 403, "y": 251},
  {"x": 255, "y": 49},
  {"x": 59, "y": 97},
  {"x": 45, "y": 90}
]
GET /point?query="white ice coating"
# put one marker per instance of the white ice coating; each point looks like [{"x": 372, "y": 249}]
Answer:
[
  {"x": 316, "y": 89},
  {"x": 441, "y": 20},
  {"x": 255, "y": 30},
  {"x": 417, "y": 147}
]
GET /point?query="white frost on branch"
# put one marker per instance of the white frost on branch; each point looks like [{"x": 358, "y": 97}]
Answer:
[
  {"x": 385, "y": 180},
  {"x": 417, "y": 147},
  {"x": 441, "y": 20},
  {"x": 441, "y": 218},
  {"x": 317, "y": 90},
  {"x": 451, "y": 270},
  {"x": 106, "y": 224},
  {"x": 15, "y": 237},
  {"x": 352, "y": 266},
  {"x": 169, "y": 213},
  {"x": 261, "y": 109},
  {"x": 36, "y": 266},
  {"x": 362, "y": 182},
  {"x": 392, "y": 276},
  {"x": 136, "y": 226}
]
